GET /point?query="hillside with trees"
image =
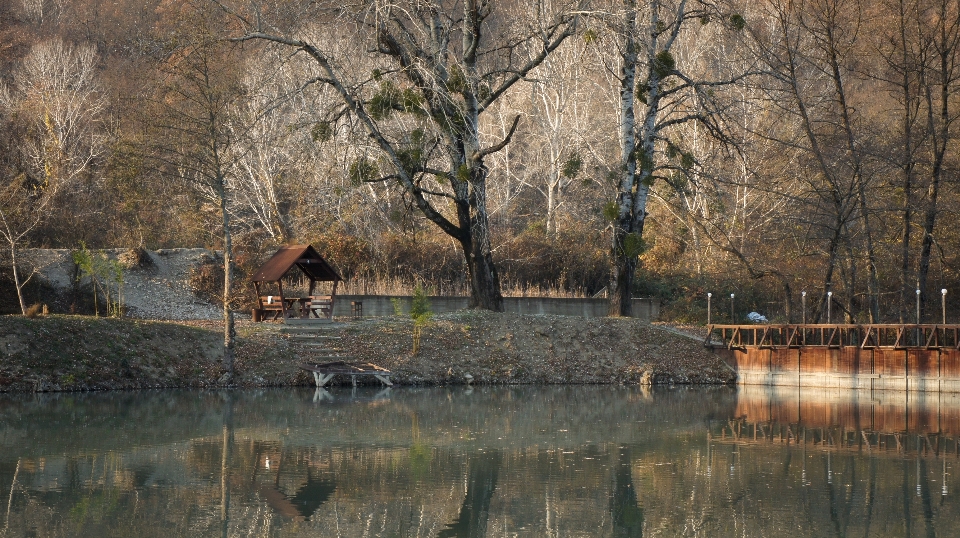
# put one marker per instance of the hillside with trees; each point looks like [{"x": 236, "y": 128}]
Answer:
[{"x": 573, "y": 147}]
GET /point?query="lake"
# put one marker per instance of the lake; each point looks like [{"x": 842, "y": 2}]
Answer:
[{"x": 482, "y": 461}]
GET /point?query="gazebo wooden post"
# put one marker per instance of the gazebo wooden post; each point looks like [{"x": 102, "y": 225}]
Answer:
[
  {"x": 257, "y": 314},
  {"x": 283, "y": 304},
  {"x": 333, "y": 297}
]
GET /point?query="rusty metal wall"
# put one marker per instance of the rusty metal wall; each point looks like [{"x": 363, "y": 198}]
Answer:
[
  {"x": 875, "y": 357},
  {"x": 847, "y": 367}
]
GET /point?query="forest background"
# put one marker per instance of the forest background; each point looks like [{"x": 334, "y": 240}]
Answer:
[{"x": 786, "y": 147}]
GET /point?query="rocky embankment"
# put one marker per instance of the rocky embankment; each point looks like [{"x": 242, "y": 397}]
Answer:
[
  {"x": 84, "y": 353},
  {"x": 155, "y": 282}
]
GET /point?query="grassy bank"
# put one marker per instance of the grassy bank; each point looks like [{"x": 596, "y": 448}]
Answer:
[{"x": 83, "y": 353}]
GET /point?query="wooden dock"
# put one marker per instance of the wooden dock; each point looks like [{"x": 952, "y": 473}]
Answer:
[
  {"x": 324, "y": 372},
  {"x": 913, "y": 357}
]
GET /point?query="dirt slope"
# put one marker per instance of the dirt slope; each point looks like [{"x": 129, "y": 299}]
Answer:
[{"x": 83, "y": 353}]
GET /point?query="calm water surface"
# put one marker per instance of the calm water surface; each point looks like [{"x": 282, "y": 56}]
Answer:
[{"x": 458, "y": 462}]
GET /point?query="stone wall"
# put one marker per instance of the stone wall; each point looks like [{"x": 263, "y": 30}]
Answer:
[{"x": 159, "y": 288}]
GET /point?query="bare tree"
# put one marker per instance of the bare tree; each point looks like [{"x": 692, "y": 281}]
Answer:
[
  {"x": 809, "y": 50},
  {"x": 58, "y": 102},
  {"x": 563, "y": 115},
  {"x": 196, "y": 144},
  {"x": 266, "y": 152},
  {"x": 56, "y": 88},
  {"x": 657, "y": 94},
  {"x": 41, "y": 11},
  {"x": 903, "y": 48},
  {"x": 939, "y": 82},
  {"x": 23, "y": 207},
  {"x": 442, "y": 67},
  {"x": 548, "y": 168}
]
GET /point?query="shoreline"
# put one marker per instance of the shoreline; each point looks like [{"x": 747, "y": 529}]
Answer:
[{"x": 81, "y": 353}]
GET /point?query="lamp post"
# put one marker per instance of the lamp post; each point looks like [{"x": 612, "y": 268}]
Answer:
[
  {"x": 829, "y": 305},
  {"x": 803, "y": 301},
  {"x": 709, "y": 295},
  {"x": 733, "y": 319},
  {"x": 943, "y": 305}
]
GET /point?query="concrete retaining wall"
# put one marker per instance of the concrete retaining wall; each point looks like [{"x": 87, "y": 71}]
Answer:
[{"x": 381, "y": 305}]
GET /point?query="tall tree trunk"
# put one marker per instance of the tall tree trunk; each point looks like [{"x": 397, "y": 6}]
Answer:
[
  {"x": 907, "y": 164},
  {"x": 873, "y": 281},
  {"x": 939, "y": 127},
  {"x": 552, "y": 196},
  {"x": 850, "y": 280},
  {"x": 625, "y": 268},
  {"x": 855, "y": 159},
  {"x": 484, "y": 279},
  {"x": 926, "y": 245},
  {"x": 16, "y": 277},
  {"x": 788, "y": 298},
  {"x": 695, "y": 233},
  {"x": 229, "y": 328},
  {"x": 833, "y": 255},
  {"x": 624, "y": 264},
  {"x": 905, "y": 280}
]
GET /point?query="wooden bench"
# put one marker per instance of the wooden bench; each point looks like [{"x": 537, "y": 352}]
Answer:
[
  {"x": 271, "y": 308},
  {"x": 320, "y": 306},
  {"x": 271, "y": 304}
]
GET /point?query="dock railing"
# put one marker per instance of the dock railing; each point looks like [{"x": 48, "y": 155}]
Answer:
[{"x": 892, "y": 336}]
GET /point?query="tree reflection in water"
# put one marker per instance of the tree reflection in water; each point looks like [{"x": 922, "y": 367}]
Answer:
[
  {"x": 302, "y": 504},
  {"x": 226, "y": 462},
  {"x": 627, "y": 514},
  {"x": 481, "y": 485},
  {"x": 588, "y": 461}
]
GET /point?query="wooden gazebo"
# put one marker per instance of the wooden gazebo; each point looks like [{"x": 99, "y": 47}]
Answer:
[{"x": 313, "y": 266}]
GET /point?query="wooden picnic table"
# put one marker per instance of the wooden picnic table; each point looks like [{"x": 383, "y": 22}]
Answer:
[
  {"x": 319, "y": 306},
  {"x": 289, "y": 303}
]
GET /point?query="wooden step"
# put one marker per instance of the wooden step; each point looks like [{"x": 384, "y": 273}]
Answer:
[
  {"x": 298, "y": 322},
  {"x": 331, "y": 358},
  {"x": 308, "y": 330},
  {"x": 310, "y": 336}
]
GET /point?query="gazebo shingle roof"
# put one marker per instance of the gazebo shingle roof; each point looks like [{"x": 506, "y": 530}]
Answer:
[{"x": 305, "y": 257}]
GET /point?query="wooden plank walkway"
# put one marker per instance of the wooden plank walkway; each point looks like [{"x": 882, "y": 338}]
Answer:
[
  {"x": 867, "y": 336},
  {"x": 916, "y": 357}
]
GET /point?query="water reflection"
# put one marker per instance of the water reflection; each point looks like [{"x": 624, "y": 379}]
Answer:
[
  {"x": 226, "y": 463},
  {"x": 626, "y": 511},
  {"x": 559, "y": 461},
  {"x": 481, "y": 485}
]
